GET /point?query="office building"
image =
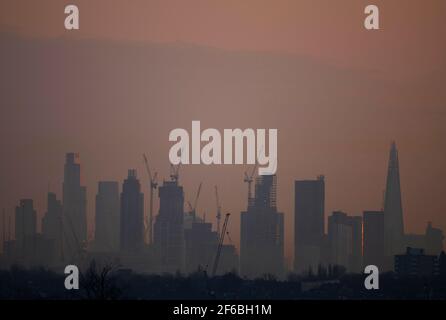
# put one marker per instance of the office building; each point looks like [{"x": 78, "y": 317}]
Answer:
[
  {"x": 25, "y": 222},
  {"x": 52, "y": 223},
  {"x": 131, "y": 214},
  {"x": 168, "y": 228},
  {"x": 373, "y": 243},
  {"x": 107, "y": 219},
  {"x": 74, "y": 209},
  {"x": 262, "y": 233},
  {"x": 309, "y": 223}
]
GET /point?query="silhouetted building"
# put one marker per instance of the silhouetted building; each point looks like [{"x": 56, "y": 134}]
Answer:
[
  {"x": 434, "y": 240},
  {"x": 373, "y": 243},
  {"x": 309, "y": 223},
  {"x": 393, "y": 209},
  {"x": 38, "y": 251},
  {"x": 345, "y": 241},
  {"x": 168, "y": 227},
  {"x": 356, "y": 257},
  {"x": 442, "y": 264},
  {"x": 30, "y": 248},
  {"x": 10, "y": 253},
  {"x": 74, "y": 209},
  {"x": 52, "y": 223},
  {"x": 431, "y": 241},
  {"x": 200, "y": 246},
  {"x": 229, "y": 260},
  {"x": 107, "y": 224},
  {"x": 340, "y": 239},
  {"x": 262, "y": 232},
  {"x": 415, "y": 240},
  {"x": 132, "y": 214},
  {"x": 25, "y": 222},
  {"x": 416, "y": 263}
]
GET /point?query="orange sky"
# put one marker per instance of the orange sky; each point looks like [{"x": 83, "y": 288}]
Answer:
[{"x": 366, "y": 89}]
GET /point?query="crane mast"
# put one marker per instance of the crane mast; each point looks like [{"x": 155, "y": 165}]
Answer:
[
  {"x": 249, "y": 179},
  {"x": 220, "y": 244},
  {"x": 218, "y": 210},
  {"x": 153, "y": 184}
]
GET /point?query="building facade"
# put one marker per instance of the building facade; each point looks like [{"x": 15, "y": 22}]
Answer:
[
  {"x": 132, "y": 215},
  {"x": 74, "y": 209},
  {"x": 107, "y": 218},
  {"x": 168, "y": 236},
  {"x": 262, "y": 233},
  {"x": 309, "y": 223}
]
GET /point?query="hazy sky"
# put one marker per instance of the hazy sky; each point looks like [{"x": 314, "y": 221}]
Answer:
[{"x": 137, "y": 69}]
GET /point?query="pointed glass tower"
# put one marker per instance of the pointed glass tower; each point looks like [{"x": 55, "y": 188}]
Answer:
[{"x": 393, "y": 209}]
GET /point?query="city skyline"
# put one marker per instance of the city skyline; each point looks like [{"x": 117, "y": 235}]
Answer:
[
  {"x": 337, "y": 94},
  {"x": 314, "y": 247}
]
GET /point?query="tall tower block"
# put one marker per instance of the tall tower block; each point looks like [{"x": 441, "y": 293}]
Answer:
[{"x": 393, "y": 209}]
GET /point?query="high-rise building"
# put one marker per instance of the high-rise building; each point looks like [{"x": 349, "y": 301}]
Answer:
[
  {"x": 25, "y": 222},
  {"x": 168, "y": 228},
  {"x": 374, "y": 245},
  {"x": 340, "y": 239},
  {"x": 229, "y": 260},
  {"x": 434, "y": 240},
  {"x": 74, "y": 208},
  {"x": 309, "y": 223},
  {"x": 200, "y": 246},
  {"x": 345, "y": 241},
  {"x": 52, "y": 223},
  {"x": 262, "y": 232},
  {"x": 107, "y": 222},
  {"x": 393, "y": 209},
  {"x": 356, "y": 258},
  {"x": 132, "y": 215}
]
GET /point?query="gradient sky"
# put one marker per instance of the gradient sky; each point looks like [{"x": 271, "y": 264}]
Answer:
[{"x": 136, "y": 70}]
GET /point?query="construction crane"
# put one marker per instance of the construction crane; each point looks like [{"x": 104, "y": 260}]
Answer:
[
  {"x": 80, "y": 247},
  {"x": 197, "y": 197},
  {"x": 193, "y": 209},
  {"x": 218, "y": 209},
  {"x": 220, "y": 245},
  {"x": 4, "y": 226},
  {"x": 153, "y": 184},
  {"x": 249, "y": 179},
  {"x": 229, "y": 237},
  {"x": 175, "y": 172}
]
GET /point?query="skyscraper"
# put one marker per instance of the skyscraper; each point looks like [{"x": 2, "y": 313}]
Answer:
[
  {"x": 309, "y": 223},
  {"x": 168, "y": 229},
  {"x": 356, "y": 258},
  {"x": 393, "y": 210},
  {"x": 374, "y": 245},
  {"x": 74, "y": 208},
  {"x": 262, "y": 232},
  {"x": 200, "y": 246},
  {"x": 132, "y": 214},
  {"x": 52, "y": 223},
  {"x": 25, "y": 222},
  {"x": 107, "y": 221},
  {"x": 345, "y": 241}
]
